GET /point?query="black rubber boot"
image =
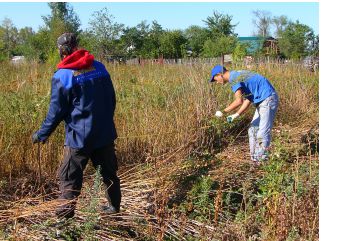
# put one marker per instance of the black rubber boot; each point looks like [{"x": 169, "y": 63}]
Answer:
[
  {"x": 109, "y": 209},
  {"x": 66, "y": 210}
]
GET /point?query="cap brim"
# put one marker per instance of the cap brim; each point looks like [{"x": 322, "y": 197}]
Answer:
[{"x": 211, "y": 79}]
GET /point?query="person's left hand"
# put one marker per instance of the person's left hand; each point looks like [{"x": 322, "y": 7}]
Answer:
[{"x": 231, "y": 118}]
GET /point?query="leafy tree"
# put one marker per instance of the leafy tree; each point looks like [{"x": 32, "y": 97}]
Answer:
[
  {"x": 3, "y": 54},
  {"x": 24, "y": 40},
  {"x": 196, "y": 37},
  {"x": 151, "y": 34},
  {"x": 172, "y": 44},
  {"x": 156, "y": 28},
  {"x": 143, "y": 28},
  {"x": 62, "y": 12},
  {"x": 62, "y": 19},
  {"x": 220, "y": 24},
  {"x": 133, "y": 38},
  {"x": 105, "y": 33},
  {"x": 218, "y": 46},
  {"x": 131, "y": 41},
  {"x": 280, "y": 23},
  {"x": 86, "y": 41},
  {"x": 262, "y": 23},
  {"x": 152, "y": 46},
  {"x": 296, "y": 40},
  {"x": 240, "y": 51},
  {"x": 40, "y": 46},
  {"x": 222, "y": 36},
  {"x": 8, "y": 38},
  {"x": 315, "y": 46},
  {"x": 25, "y": 34},
  {"x": 142, "y": 40}
]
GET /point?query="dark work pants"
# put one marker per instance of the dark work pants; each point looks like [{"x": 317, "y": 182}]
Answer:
[{"x": 72, "y": 168}]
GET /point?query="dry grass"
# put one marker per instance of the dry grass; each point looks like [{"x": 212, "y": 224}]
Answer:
[{"x": 168, "y": 142}]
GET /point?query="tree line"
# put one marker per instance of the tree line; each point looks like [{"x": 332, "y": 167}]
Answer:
[{"x": 107, "y": 38}]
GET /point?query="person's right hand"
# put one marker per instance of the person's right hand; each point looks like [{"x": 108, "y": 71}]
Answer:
[{"x": 219, "y": 114}]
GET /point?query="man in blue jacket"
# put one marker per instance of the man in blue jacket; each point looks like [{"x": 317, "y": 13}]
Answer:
[
  {"x": 83, "y": 96},
  {"x": 250, "y": 87}
]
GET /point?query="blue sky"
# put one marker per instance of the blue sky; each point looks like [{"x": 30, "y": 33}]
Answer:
[{"x": 177, "y": 15}]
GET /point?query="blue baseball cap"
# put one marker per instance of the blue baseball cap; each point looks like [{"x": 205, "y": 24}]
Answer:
[{"x": 218, "y": 69}]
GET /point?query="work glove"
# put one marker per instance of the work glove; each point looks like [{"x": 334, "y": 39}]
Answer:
[
  {"x": 231, "y": 118},
  {"x": 35, "y": 138},
  {"x": 219, "y": 114}
]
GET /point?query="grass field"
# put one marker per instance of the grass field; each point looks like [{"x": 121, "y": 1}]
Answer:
[{"x": 184, "y": 174}]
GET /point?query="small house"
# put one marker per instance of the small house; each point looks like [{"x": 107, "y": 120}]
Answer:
[{"x": 268, "y": 45}]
